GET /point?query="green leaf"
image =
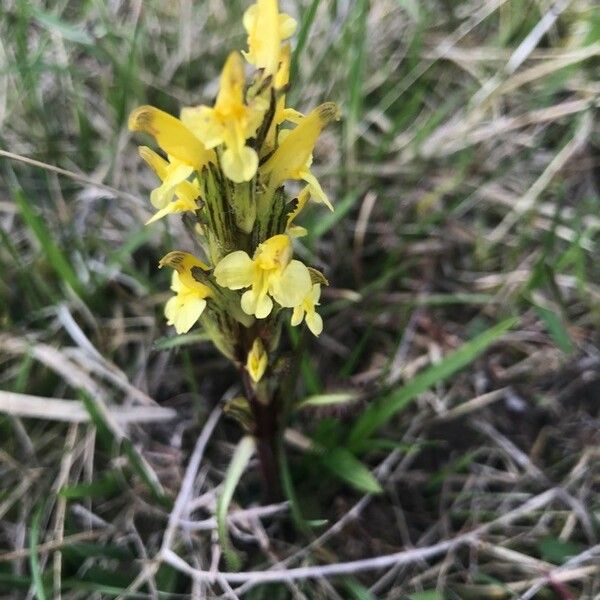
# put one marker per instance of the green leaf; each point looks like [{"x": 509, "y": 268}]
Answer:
[
  {"x": 344, "y": 465},
  {"x": 426, "y": 595},
  {"x": 289, "y": 490},
  {"x": 241, "y": 457},
  {"x": 53, "y": 253},
  {"x": 105, "y": 487},
  {"x": 357, "y": 591},
  {"x": 36, "y": 571},
  {"x": 51, "y": 22},
  {"x": 382, "y": 411},
  {"x": 556, "y": 328},
  {"x": 186, "y": 339},
  {"x": 307, "y": 21},
  {"x": 558, "y": 551},
  {"x": 114, "y": 441}
]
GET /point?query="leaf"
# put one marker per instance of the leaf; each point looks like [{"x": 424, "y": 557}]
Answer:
[
  {"x": 51, "y": 22},
  {"x": 36, "y": 571},
  {"x": 555, "y": 327},
  {"x": 241, "y": 457},
  {"x": 287, "y": 484},
  {"x": 357, "y": 591},
  {"x": 115, "y": 441},
  {"x": 426, "y": 595},
  {"x": 305, "y": 26},
  {"x": 344, "y": 465},
  {"x": 53, "y": 253},
  {"x": 382, "y": 411},
  {"x": 328, "y": 399},
  {"x": 105, "y": 487},
  {"x": 558, "y": 551}
]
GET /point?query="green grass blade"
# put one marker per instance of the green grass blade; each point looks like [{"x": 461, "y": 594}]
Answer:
[
  {"x": 54, "y": 254},
  {"x": 345, "y": 466},
  {"x": 383, "y": 410},
  {"x": 36, "y": 572},
  {"x": 241, "y": 457},
  {"x": 113, "y": 441},
  {"x": 305, "y": 26}
]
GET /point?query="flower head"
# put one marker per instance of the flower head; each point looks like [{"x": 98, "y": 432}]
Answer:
[
  {"x": 257, "y": 361},
  {"x": 189, "y": 302},
  {"x": 306, "y": 311},
  {"x": 271, "y": 275},
  {"x": 266, "y": 29},
  {"x": 230, "y": 122}
]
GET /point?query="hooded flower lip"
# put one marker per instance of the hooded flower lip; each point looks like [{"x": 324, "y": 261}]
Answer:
[
  {"x": 189, "y": 302},
  {"x": 266, "y": 28},
  {"x": 306, "y": 311},
  {"x": 230, "y": 122},
  {"x": 271, "y": 275},
  {"x": 171, "y": 135},
  {"x": 293, "y": 157}
]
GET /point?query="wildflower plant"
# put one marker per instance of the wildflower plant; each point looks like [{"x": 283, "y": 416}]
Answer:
[{"x": 227, "y": 166}]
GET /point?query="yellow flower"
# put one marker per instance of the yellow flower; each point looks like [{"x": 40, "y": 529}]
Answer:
[
  {"x": 271, "y": 273},
  {"x": 293, "y": 230},
  {"x": 266, "y": 29},
  {"x": 180, "y": 144},
  {"x": 175, "y": 194},
  {"x": 306, "y": 310},
  {"x": 257, "y": 362},
  {"x": 293, "y": 157},
  {"x": 189, "y": 302},
  {"x": 229, "y": 122}
]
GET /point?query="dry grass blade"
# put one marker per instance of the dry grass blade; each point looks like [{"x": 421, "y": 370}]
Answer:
[{"x": 74, "y": 411}]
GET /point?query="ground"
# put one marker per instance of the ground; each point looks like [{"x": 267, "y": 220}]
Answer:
[{"x": 462, "y": 316}]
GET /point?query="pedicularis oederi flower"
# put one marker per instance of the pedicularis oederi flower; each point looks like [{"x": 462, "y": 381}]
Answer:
[{"x": 227, "y": 165}]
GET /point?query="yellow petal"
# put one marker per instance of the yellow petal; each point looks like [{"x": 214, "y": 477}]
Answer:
[
  {"x": 174, "y": 175},
  {"x": 156, "y": 162},
  {"x": 183, "y": 311},
  {"x": 316, "y": 190},
  {"x": 257, "y": 361},
  {"x": 297, "y": 316},
  {"x": 203, "y": 123},
  {"x": 287, "y": 26},
  {"x": 315, "y": 294},
  {"x": 283, "y": 72},
  {"x": 303, "y": 198},
  {"x": 292, "y": 286},
  {"x": 315, "y": 322},
  {"x": 274, "y": 253},
  {"x": 239, "y": 165},
  {"x": 171, "y": 135},
  {"x": 235, "y": 271},
  {"x": 259, "y": 305},
  {"x": 262, "y": 24},
  {"x": 231, "y": 90},
  {"x": 184, "y": 263},
  {"x": 176, "y": 284},
  {"x": 297, "y": 146}
]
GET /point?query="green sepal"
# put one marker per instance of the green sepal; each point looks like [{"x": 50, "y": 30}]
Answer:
[
  {"x": 244, "y": 205},
  {"x": 317, "y": 277}
]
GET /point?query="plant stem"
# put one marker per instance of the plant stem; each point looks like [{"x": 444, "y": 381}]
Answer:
[{"x": 266, "y": 431}]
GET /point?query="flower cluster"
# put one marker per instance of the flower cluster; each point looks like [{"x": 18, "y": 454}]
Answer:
[{"x": 227, "y": 166}]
